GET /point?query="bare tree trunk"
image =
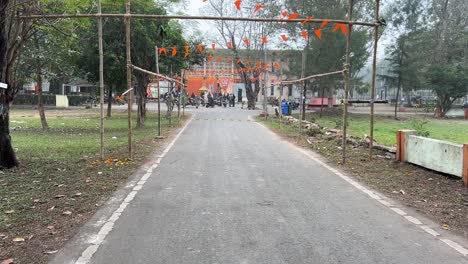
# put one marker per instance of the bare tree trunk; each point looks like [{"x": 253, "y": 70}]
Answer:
[
  {"x": 109, "y": 101},
  {"x": 303, "y": 100},
  {"x": 321, "y": 104},
  {"x": 397, "y": 97},
  {"x": 40, "y": 102}
]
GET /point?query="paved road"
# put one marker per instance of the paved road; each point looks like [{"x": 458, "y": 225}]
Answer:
[{"x": 228, "y": 191}]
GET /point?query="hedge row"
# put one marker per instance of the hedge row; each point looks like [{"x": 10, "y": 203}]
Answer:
[{"x": 49, "y": 99}]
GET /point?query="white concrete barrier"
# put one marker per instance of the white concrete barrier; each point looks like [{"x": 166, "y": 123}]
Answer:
[
  {"x": 433, "y": 154},
  {"x": 61, "y": 101}
]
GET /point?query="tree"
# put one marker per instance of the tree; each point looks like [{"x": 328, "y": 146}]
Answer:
[
  {"x": 236, "y": 32},
  {"x": 328, "y": 54},
  {"x": 13, "y": 33},
  {"x": 449, "y": 83},
  {"x": 409, "y": 22},
  {"x": 446, "y": 75},
  {"x": 145, "y": 35}
]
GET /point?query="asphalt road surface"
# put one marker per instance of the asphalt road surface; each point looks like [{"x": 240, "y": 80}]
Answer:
[{"x": 229, "y": 191}]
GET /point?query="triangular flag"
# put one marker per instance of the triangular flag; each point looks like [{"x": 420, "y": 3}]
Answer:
[
  {"x": 186, "y": 51},
  {"x": 342, "y": 27},
  {"x": 229, "y": 44},
  {"x": 237, "y": 3},
  {"x": 284, "y": 14},
  {"x": 308, "y": 19},
  {"x": 248, "y": 62},
  {"x": 239, "y": 61},
  {"x": 258, "y": 7},
  {"x": 162, "y": 50},
  {"x": 219, "y": 59},
  {"x": 266, "y": 65},
  {"x": 318, "y": 33},
  {"x": 304, "y": 34},
  {"x": 276, "y": 65},
  {"x": 293, "y": 16},
  {"x": 264, "y": 40},
  {"x": 213, "y": 46},
  {"x": 324, "y": 23},
  {"x": 210, "y": 58},
  {"x": 284, "y": 37},
  {"x": 174, "y": 51},
  {"x": 228, "y": 59},
  {"x": 247, "y": 41},
  {"x": 200, "y": 48}
]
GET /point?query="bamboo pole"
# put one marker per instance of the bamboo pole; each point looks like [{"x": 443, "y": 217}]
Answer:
[
  {"x": 148, "y": 16},
  {"x": 346, "y": 74},
  {"x": 156, "y": 74},
  {"x": 302, "y": 90},
  {"x": 101, "y": 83},
  {"x": 374, "y": 72},
  {"x": 159, "y": 91},
  {"x": 129, "y": 78},
  {"x": 313, "y": 77}
]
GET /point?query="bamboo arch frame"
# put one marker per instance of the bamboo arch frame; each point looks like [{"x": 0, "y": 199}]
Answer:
[{"x": 127, "y": 16}]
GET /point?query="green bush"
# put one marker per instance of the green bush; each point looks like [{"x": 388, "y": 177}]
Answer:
[{"x": 419, "y": 126}]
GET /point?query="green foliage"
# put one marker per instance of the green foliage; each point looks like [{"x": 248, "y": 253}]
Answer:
[
  {"x": 420, "y": 126},
  {"x": 449, "y": 82}
]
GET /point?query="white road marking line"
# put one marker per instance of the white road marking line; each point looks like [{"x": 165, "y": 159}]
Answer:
[
  {"x": 413, "y": 220},
  {"x": 88, "y": 253},
  {"x": 456, "y": 246},
  {"x": 374, "y": 196},
  {"x": 429, "y": 230}
]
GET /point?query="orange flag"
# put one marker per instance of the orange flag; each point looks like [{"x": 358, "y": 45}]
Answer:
[
  {"x": 213, "y": 46},
  {"x": 162, "y": 50},
  {"x": 248, "y": 61},
  {"x": 284, "y": 37},
  {"x": 219, "y": 59},
  {"x": 293, "y": 16},
  {"x": 239, "y": 61},
  {"x": 258, "y": 7},
  {"x": 210, "y": 58},
  {"x": 229, "y": 44},
  {"x": 228, "y": 59},
  {"x": 238, "y": 3},
  {"x": 304, "y": 34},
  {"x": 247, "y": 41},
  {"x": 308, "y": 19},
  {"x": 266, "y": 65},
  {"x": 174, "y": 51},
  {"x": 264, "y": 40},
  {"x": 324, "y": 23},
  {"x": 259, "y": 65},
  {"x": 276, "y": 65},
  {"x": 318, "y": 33},
  {"x": 342, "y": 27},
  {"x": 200, "y": 48},
  {"x": 204, "y": 1},
  {"x": 186, "y": 51},
  {"x": 284, "y": 14}
]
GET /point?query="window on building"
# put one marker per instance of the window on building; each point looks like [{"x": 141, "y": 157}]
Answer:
[{"x": 272, "y": 90}]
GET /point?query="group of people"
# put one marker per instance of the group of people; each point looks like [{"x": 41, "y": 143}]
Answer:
[{"x": 211, "y": 99}]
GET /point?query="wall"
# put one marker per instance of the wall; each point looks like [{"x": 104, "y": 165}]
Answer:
[{"x": 433, "y": 154}]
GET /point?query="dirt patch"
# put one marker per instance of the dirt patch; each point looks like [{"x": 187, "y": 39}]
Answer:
[
  {"x": 44, "y": 202},
  {"x": 440, "y": 197}
]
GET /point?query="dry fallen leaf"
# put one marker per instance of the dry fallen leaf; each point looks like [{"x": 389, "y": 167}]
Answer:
[
  {"x": 8, "y": 261},
  {"x": 445, "y": 226},
  {"x": 59, "y": 196},
  {"x": 88, "y": 180},
  {"x": 10, "y": 211},
  {"x": 50, "y": 227},
  {"x": 51, "y": 252},
  {"x": 50, "y": 209},
  {"x": 18, "y": 239},
  {"x": 78, "y": 194},
  {"x": 402, "y": 192},
  {"x": 67, "y": 213}
]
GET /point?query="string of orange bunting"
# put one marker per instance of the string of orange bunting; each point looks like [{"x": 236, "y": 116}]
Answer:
[{"x": 290, "y": 16}]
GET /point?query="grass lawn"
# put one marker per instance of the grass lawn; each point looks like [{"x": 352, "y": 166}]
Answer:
[
  {"x": 385, "y": 127},
  {"x": 61, "y": 181}
]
